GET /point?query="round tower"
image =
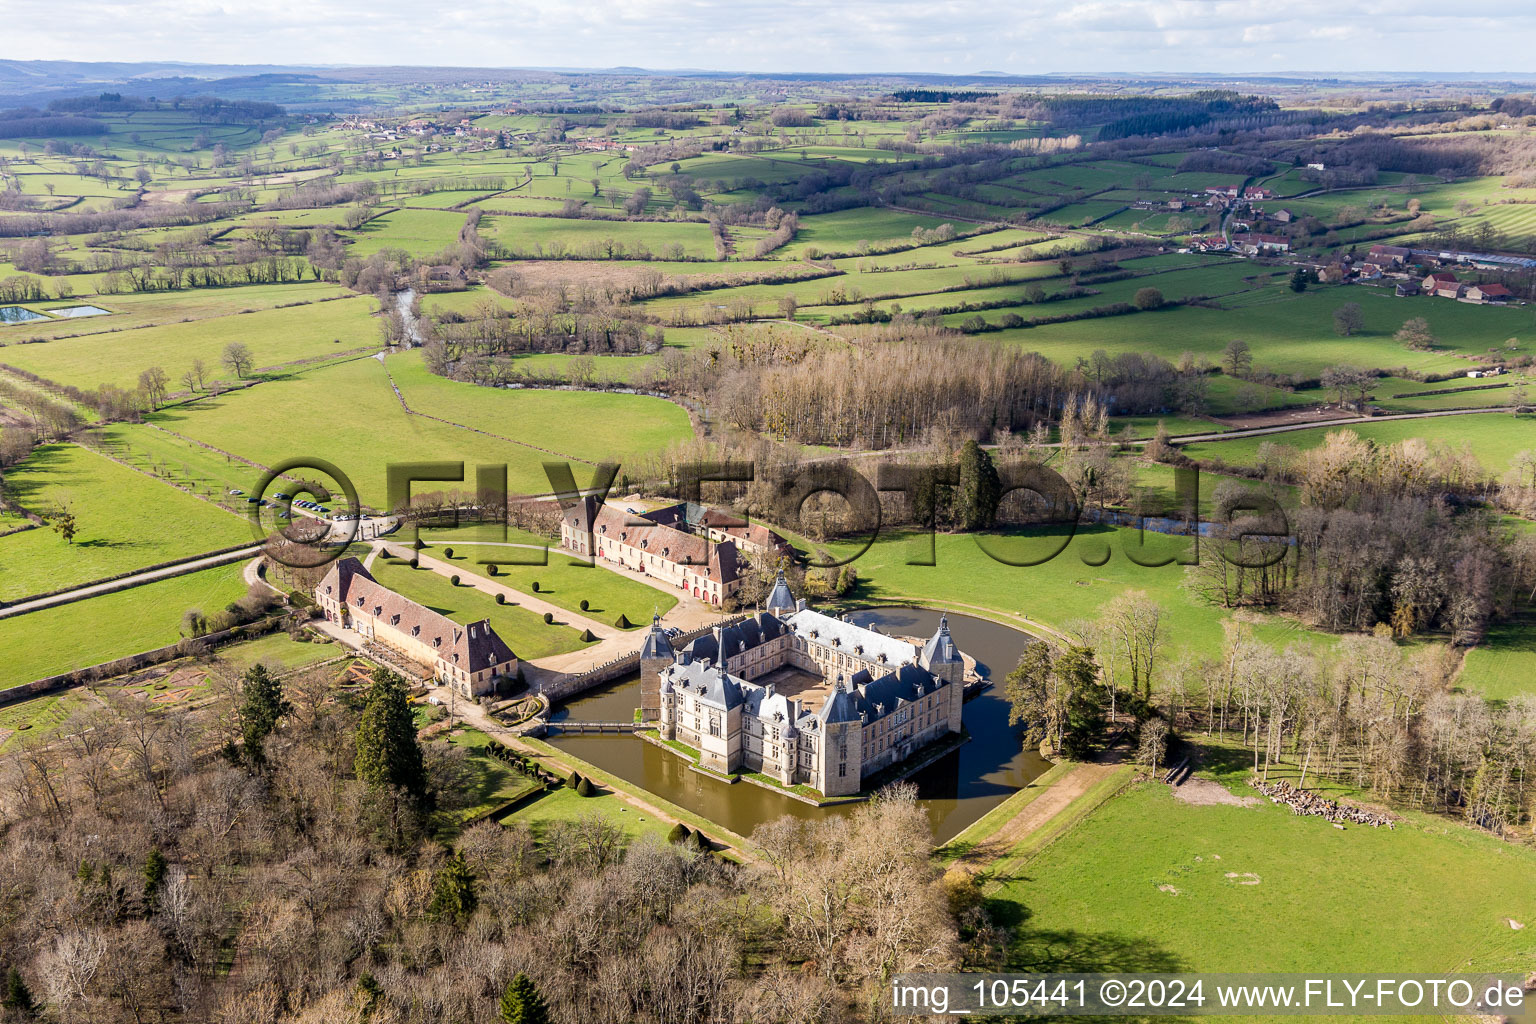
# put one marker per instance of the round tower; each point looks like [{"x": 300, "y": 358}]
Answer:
[{"x": 656, "y": 654}]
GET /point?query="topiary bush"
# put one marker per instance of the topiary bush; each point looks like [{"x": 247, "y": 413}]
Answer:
[
  {"x": 678, "y": 834},
  {"x": 584, "y": 605},
  {"x": 493, "y": 570},
  {"x": 587, "y": 636},
  {"x": 549, "y": 618},
  {"x": 575, "y": 780},
  {"x": 447, "y": 552},
  {"x": 622, "y": 621},
  {"x": 415, "y": 563},
  {"x": 418, "y": 545},
  {"x": 584, "y": 787},
  {"x": 501, "y": 598},
  {"x": 535, "y": 586},
  {"x": 454, "y": 580}
]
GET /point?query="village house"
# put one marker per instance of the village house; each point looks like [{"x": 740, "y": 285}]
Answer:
[
  {"x": 1282, "y": 216},
  {"x": 1389, "y": 255},
  {"x": 1258, "y": 243},
  {"x": 468, "y": 658},
  {"x": 804, "y": 697}
]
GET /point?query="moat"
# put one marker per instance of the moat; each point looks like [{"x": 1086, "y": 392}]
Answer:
[{"x": 957, "y": 788}]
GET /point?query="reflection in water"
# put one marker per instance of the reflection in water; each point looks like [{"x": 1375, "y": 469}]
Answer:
[{"x": 957, "y": 789}]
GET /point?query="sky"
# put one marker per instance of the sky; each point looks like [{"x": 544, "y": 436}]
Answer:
[{"x": 938, "y": 36}]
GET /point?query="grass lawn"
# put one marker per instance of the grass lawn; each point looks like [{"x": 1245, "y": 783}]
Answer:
[
  {"x": 593, "y": 425},
  {"x": 1325, "y": 900},
  {"x": 553, "y": 236},
  {"x": 420, "y": 232},
  {"x": 1504, "y": 665},
  {"x": 524, "y": 631},
  {"x": 375, "y": 431},
  {"x": 274, "y": 336},
  {"x": 1494, "y": 438},
  {"x": 125, "y": 520},
  {"x": 1058, "y": 592},
  {"x": 567, "y": 582},
  {"x": 565, "y": 804},
  {"x": 277, "y": 651},
  {"x": 492, "y": 781},
  {"x": 73, "y": 636}
]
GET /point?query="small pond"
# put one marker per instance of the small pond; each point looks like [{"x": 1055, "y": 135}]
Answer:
[
  {"x": 70, "y": 312},
  {"x": 18, "y": 315}
]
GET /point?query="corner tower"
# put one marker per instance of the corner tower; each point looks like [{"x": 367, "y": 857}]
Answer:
[{"x": 656, "y": 655}]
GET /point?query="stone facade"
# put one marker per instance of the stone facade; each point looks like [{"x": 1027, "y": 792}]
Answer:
[
  {"x": 470, "y": 658},
  {"x": 886, "y": 699},
  {"x": 650, "y": 543}
]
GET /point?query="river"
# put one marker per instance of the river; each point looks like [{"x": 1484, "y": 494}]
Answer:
[{"x": 956, "y": 789}]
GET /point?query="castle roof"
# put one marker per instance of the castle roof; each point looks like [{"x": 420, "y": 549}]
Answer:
[
  {"x": 854, "y": 639},
  {"x": 940, "y": 648},
  {"x": 656, "y": 643},
  {"x": 780, "y": 598}
]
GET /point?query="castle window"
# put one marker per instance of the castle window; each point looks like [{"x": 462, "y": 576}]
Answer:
[{"x": 842, "y": 771}]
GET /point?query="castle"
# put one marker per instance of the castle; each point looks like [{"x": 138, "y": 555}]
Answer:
[{"x": 801, "y": 696}]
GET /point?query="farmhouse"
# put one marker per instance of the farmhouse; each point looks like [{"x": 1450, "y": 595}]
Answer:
[
  {"x": 660, "y": 544},
  {"x": 1444, "y": 285},
  {"x": 1486, "y": 293},
  {"x": 468, "y": 658},
  {"x": 1259, "y": 243},
  {"x": 1389, "y": 255},
  {"x": 804, "y": 697}
]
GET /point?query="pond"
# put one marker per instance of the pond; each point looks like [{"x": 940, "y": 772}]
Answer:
[
  {"x": 956, "y": 789},
  {"x": 70, "y": 312},
  {"x": 18, "y": 315}
]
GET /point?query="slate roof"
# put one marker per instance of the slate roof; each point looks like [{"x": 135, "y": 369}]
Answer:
[
  {"x": 940, "y": 648},
  {"x": 851, "y": 638},
  {"x": 472, "y": 647},
  {"x": 717, "y": 562}
]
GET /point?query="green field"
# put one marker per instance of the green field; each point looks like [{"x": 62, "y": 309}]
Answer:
[
  {"x": 524, "y": 631},
  {"x": 125, "y": 520},
  {"x": 373, "y": 430},
  {"x": 1494, "y": 438},
  {"x": 1325, "y": 900},
  {"x": 278, "y": 651},
  {"x": 492, "y": 782},
  {"x": 74, "y": 636},
  {"x": 274, "y": 337}
]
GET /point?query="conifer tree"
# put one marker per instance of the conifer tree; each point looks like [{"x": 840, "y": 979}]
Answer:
[
  {"x": 522, "y": 1004},
  {"x": 388, "y": 754},
  {"x": 453, "y": 892},
  {"x": 980, "y": 488},
  {"x": 261, "y": 706}
]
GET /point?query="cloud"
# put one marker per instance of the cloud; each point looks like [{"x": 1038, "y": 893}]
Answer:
[{"x": 790, "y": 35}]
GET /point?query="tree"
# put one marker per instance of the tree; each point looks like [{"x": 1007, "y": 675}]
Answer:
[
  {"x": 199, "y": 372},
  {"x": 262, "y": 705},
  {"x": 18, "y": 998},
  {"x": 1348, "y": 319},
  {"x": 153, "y": 382},
  {"x": 388, "y": 754},
  {"x": 1147, "y": 298},
  {"x": 62, "y": 521},
  {"x": 1077, "y": 675},
  {"x": 1153, "y": 744},
  {"x": 1237, "y": 358},
  {"x": 453, "y": 892},
  {"x": 1415, "y": 333},
  {"x": 1299, "y": 279},
  {"x": 1057, "y": 696},
  {"x": 1347, "y": 382},
  {"x": 522, "y": 1004},
  {"x": 154, "y": 876},
  {"x": 980, "y": 489},
  {"x": 237, "y": 356}
]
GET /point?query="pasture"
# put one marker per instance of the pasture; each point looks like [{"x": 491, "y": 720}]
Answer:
[
  {"x": 1149, "y": 883},
  {"x": 89, "y": 632},
  {"x": 126, "y": 520}
]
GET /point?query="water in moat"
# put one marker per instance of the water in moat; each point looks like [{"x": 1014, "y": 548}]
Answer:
[{"x": 956, "y": 789}]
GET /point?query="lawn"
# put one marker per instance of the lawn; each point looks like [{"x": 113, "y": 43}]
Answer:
[
  {"x": 274, "y": 336},
  {"x": 125, "y": 520},
  {"x": 1504, "y": 665},
  {"x": 422, "y": 233},
  {"x": 524, "y": 631},
  {"x": 844, "y": 230},
  {"x": 277, "y": 651},
  {"x": 567, "y": 582},
  {"x": 492, "y": 782},
  {"x": 40, "y": 717},
  {"x": 73, "y": 636},
  {"x": 595, "y": 239},
  {"x": 1064, "y": 590},
  {"x": 565, "y": 804},
  {"x": 1325, "y": 900}
]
